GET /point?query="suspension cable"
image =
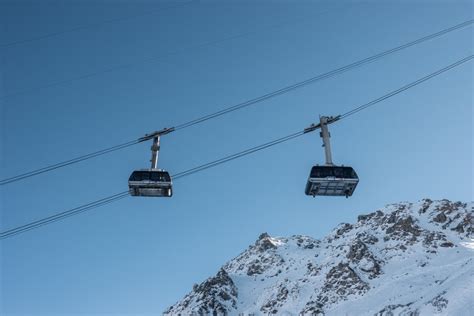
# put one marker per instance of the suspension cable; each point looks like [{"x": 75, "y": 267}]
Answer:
[
  {"x": 237, "y": 155},
  {"x": 150, "y": 59},
  {"x": 239, "y": 106},
  {"x": 93, "y": 25},
  {"x": 121, "y": 195},
  {"x": 62, "y": 215},
  {"x": 406, "y": 87},
  {"x": 320, "y": 77},
  {"x": 67, "y": 162}
]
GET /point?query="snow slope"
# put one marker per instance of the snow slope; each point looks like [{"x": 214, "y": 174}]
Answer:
[{"x": 407, "y": 259}]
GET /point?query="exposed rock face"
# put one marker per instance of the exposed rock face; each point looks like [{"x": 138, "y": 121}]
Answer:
[
  {"x": 360, "y": 255},
  {"x": 341, "y": 281},
  {"x": 408, "y": 258},
  {"x": 264, "y": 243},
  {"x": 215, "y": 296}
]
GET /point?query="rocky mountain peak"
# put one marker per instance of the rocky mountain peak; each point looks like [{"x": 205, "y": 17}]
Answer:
[
  {"x": 405, "y": 258},
  {"x": 216, "y": 295},
  {"x": 265, "y": 242}
]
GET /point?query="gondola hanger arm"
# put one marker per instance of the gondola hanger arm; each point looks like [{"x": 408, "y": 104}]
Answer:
[
  {"x": 332, "y": 119},
  {"x": 313, "y": 127},
  {"x": 164, "y": 131}
]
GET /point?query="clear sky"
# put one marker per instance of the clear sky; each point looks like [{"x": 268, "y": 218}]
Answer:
[{"x": 137, "y": 256}]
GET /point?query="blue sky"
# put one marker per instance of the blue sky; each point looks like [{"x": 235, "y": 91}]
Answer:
[{"x": 138, "y": 256}]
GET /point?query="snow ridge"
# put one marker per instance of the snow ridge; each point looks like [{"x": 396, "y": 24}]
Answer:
[{"x": 408, "y": 259}]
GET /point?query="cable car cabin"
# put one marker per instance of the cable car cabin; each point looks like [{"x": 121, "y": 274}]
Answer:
[
  {"x": 150, "y": 182},
  {"x": 331, "y": 181}
]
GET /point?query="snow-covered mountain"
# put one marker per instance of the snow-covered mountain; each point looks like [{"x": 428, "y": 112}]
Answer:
[{"x": 408, "y": 259}]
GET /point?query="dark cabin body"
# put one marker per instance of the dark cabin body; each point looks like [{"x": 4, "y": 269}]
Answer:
[
  {"x": 151, "y": 183},
  {"x": 331, "y": 181}
]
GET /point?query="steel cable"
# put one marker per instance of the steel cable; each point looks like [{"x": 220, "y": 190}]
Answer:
[
  {"x": 118, "y": 196},
  {"x": 241, "y": 105}
]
